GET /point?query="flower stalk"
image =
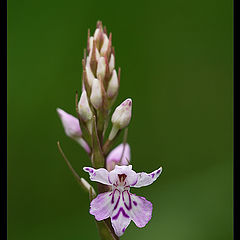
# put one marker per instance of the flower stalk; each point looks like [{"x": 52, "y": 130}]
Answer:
[{"x": 114, "y": 206}]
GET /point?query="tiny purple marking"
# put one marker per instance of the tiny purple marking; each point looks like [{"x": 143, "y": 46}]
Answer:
[
  {"x": 158, "y": 171},
  {"x": 130, "y": 200},
  {"x": 153, "y": 174},
  {"x": 123, "y": 213},
  {"x": 123, "y": 229},
  {"x": 135, "y": 182},
  {"x": 109, "y": 180},
  {"x": 113, "y": 196},
  {"x": 117, "y": 202},
  {"x": 135, "y": 203}
]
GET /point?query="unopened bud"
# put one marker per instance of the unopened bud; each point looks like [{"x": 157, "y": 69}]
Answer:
[
  {"x": 122, "y": 114},
  {"x": 101, "y": 68},
  {"x": 105, "y": 45},
  {"x": 87, "y": 186},
  {"x": 96, "y": 34},
  {"x": 121, "y": 117},
  {"x": 72, "y": 128},
  {"x": 96, "y": 94},
  {"x": 90, "y": 43},
  {"x": 118, "y": 156},
  {"x": 111, "y": 63},
  {"x": 113, "y": 85},
  {"x": 70, "y": 124},
  {"x": 90, "y": 76},
  {"x": 84, "y": 108}
]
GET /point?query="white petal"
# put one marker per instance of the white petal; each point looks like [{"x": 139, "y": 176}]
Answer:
[
  {"x": 98, "y": 175},
  {"x": 145, "y": 179}
]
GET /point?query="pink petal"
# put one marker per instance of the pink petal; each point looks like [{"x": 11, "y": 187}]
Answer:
[
  {"x": 100, "y": 175},
  {"x": 141, "y": 211},
  {"x": 145, "y": 179},
  {"x": 101, "y": 206},
  {"x": 115, "y": 155}
]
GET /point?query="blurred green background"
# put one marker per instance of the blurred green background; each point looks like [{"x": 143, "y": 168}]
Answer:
[{"x": 176, "y": 61}]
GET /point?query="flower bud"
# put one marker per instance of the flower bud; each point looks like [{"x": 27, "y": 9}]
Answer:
[
  {"x": 96, "y": 34},
  {"x": 84, "y": 109},
  {"x": 122, "y": 114},
  {"x": 118, "y": 157},
  {"x": 70, "y": 124},
  {"x": 101, "y": 68},
  {"x": 113, "y": 85},
  {"x": 111, "y": 63},
  {"x": 96, "y": 94},
  {"x": 105, "y": 45},
  {"x": 90, "y": 76},
  {"x": 72, "y": 128},
  {"x": 121, "y": 117},
  {"x": 90, "y": 43},
  {"x": 87, "y": 186}
]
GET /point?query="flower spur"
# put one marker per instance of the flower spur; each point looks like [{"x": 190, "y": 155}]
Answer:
[{"x": 119, "y": 204}]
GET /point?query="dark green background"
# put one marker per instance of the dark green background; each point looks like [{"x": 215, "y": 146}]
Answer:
[{"x": 176, "y": 61}]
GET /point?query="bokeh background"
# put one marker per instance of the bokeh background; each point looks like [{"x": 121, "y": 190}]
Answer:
[{"x": 176, "y": 61}]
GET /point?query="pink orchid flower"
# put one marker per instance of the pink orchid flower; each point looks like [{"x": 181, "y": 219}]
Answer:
[{"x": 119, "y": 204}]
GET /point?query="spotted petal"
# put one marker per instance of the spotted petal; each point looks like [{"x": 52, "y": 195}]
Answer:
[
  {"x": 98, "y": 175},
  {"x": 145, "y": 179}
]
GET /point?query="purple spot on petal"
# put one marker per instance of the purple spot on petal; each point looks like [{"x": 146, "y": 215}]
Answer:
[
  {"x": 123, "y": 229},
  {"x": 153, "y": 174},
  {"x": 158, "y": 171},
  {"x": 135, "y": 203}
]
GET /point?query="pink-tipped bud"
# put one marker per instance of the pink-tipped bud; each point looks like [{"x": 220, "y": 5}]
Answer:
[
  {"x": 113, "y": 85},
  {"x": 121, "y": 117},
  {"x": 101, "y": 68},
  {"x": 96, "y": 94},
  {"x": 118, "y": 157},
  {"x": 84, "y": 108},
  {"x": 111, "y": 63},
  {"x": 72, "y": 128}
]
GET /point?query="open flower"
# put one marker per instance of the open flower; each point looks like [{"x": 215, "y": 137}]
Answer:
[{"x": 119, "y": 204}]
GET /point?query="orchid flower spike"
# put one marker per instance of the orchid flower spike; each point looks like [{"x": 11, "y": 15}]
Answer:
[
  {"x": 119, "y": 204},
  {"x": 72, "y": 128},
  {"x": 120, "y": 155}
]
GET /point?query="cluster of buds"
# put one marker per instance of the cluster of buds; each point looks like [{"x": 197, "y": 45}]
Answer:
[{"x": 100, "y": 86}]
